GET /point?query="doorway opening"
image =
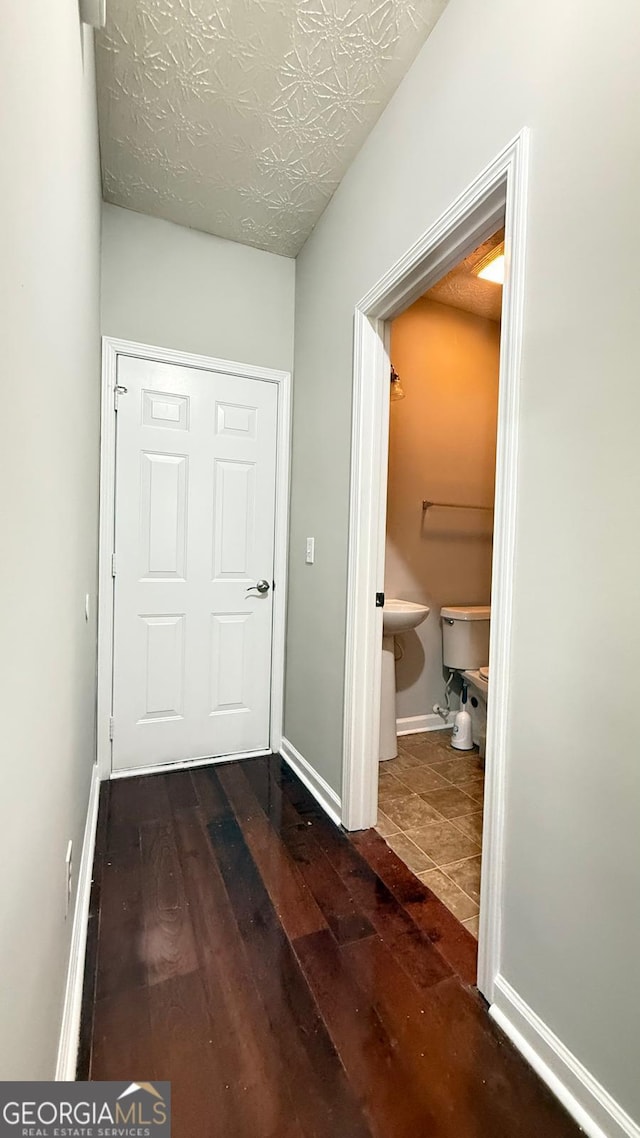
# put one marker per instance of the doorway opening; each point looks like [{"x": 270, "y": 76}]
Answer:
[
  {"x": 445, "y": 359},
  {"x": 495, "y": 199}
]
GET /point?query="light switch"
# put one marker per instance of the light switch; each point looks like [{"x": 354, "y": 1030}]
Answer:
[{"x": 311, "y": 550}]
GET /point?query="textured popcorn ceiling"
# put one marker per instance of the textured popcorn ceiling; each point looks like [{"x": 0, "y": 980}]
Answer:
[
  {"x": 239, "y": 117},
  {"x": 461, "y": 288}
]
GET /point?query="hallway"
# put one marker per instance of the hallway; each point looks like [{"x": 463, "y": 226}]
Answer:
[{"x": 290, "y": 981}]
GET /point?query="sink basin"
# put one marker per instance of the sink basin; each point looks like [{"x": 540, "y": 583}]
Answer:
[{"x": 401, "y": 616}]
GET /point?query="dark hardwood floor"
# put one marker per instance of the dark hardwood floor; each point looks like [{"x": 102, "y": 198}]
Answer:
[{"x": 290, "y": 980}]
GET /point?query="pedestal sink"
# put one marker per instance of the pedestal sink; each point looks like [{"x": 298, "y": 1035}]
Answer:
[{"x": 397, "y": 617}]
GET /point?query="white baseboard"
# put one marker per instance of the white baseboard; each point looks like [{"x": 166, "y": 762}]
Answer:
[
  {"x": 412, "y": 724},
  {"x": 580, "y": 1093},
  {"x": 314, "y": 782},
  {"x": 70, "y": 1027},
  {"x": 187, "y": 764}
]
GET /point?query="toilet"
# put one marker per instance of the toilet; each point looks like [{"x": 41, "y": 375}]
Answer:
[{"x": 465, "y": 649}]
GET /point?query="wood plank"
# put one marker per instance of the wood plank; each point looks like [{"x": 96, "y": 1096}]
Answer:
[
  {"x": 453, "y": 941},
  {"x": 90, "y": 971},
  {"x": 121, "y": 963},
  {"x": 133, "y": 801},
  {"x": 363, "y": 860},
  {"x": 211, "y": 799},
  {"x": 412, "y": 948},
  {"x": 266, "y": 785},
  {"x": 122, "y": 1046},
  {"x": 251, "y": 1066},
  {"x": 486, "y": 1091},
  {"x": 332, "y": 897},
  {"x": 344, "y": 918},
  {"x": 187, "y": 1052},
  {"x": 306, "y": 806},
  {"x": 324, "y": 1100},
  {"x": 289, "y": 893},
  {"x": 394, "y": 1105},
  {"x": 167, "y": 944},
  {"x": 183, "y": 794}
]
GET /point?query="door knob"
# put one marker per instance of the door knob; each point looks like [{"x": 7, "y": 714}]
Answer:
[{"x": 262, "y": 586}]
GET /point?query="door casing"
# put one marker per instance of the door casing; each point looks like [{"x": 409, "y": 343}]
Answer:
[
  {"x": 111, "y": 349},
  {"x": 497, "y": 195}
]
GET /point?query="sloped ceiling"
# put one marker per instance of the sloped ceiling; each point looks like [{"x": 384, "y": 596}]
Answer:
[
  {"x": 240, "y": 117},
  {"x": 461, "y": 288}
]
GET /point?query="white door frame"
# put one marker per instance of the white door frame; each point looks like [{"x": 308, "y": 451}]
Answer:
[
  {"x": 111, "y": 349},
  {"x": 499, "y": 192}
]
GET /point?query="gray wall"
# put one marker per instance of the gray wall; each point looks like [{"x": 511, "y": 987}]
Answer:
[
  {"x": 172, "y": 287},
  {"x": 49, "y": 329},
  {"x": 568, "y": 70}
]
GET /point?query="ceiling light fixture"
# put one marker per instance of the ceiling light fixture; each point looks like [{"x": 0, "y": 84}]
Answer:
[{"x": 491, "y": 267}]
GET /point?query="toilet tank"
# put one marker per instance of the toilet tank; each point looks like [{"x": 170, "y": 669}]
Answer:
[{"x": 465, "y": 636}]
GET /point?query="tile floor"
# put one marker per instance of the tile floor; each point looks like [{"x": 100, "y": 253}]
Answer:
[{"x": 430, "y": 813}]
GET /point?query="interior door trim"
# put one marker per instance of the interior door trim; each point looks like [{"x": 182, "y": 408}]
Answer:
[
  {"x": 499, "y": 192},
  {"x": 112, "y": 348}
]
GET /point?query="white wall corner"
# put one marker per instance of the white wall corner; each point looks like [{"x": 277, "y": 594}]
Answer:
[
  {"x": 319, "y": 788},
  {"x": 586, "y": 1100},
  {"x": 70, "y": 1028}
]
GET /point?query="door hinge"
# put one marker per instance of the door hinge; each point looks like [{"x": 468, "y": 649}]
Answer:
[
  {"x": 111, "y": 727},
  {"x": 117, "y": 391},
  {"x": 113, "y": 564},
  {"x": 379, "y": 600}
]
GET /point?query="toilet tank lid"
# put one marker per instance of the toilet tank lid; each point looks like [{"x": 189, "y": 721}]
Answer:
[{"x": 466, "y": 612}]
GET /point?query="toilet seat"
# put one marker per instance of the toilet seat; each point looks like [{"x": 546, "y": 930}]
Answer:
[{"x": 484, "y": 672}]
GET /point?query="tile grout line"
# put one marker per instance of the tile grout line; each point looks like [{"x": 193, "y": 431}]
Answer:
[
  {"x": 443, "y": 870},
  {"x": 440, "y": 869},
  {"x": 448, "y": 784}
]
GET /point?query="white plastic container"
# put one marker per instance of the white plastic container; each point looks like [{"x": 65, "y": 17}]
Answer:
[{"x": 462, "y": 736}]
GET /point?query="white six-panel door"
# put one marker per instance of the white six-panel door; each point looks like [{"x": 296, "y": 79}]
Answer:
[{"x": 194, "y": 534}]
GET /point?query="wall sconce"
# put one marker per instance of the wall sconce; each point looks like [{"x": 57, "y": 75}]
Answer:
[
  {"x": 397, "y": 390},
  {"x": 93, "y": 12}
]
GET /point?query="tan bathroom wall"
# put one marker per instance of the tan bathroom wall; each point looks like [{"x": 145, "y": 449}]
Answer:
[{"x": 443, "y": 447}]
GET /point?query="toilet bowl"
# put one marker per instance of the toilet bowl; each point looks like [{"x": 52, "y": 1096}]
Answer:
[{"x": 478, "y": 694}]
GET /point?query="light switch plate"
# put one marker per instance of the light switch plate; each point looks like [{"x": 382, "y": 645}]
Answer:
[{"x": 311, "y": 550}]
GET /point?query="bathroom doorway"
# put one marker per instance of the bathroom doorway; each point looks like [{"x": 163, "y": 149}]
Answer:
[
  {"x": 445, "y": 364},
  {"x": 495, "y": 199}
]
